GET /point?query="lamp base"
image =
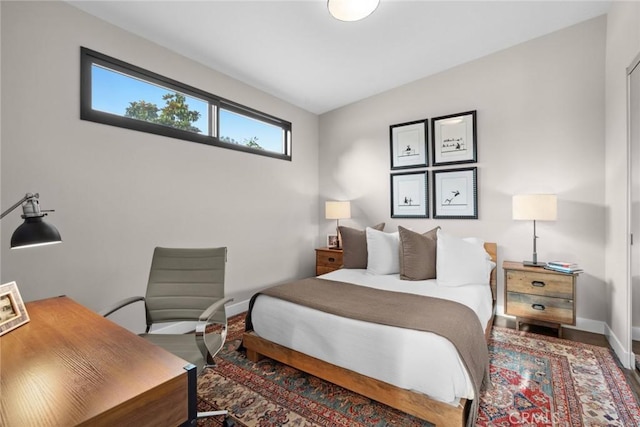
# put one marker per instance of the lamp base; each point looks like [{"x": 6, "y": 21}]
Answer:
[{"x": 533, "y": 263}]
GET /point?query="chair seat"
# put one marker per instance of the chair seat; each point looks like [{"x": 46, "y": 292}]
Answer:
[{"x": 183, "y": 346}]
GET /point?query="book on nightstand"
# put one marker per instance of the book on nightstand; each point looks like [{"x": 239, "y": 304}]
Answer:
[{"x": 563, "y": 267}]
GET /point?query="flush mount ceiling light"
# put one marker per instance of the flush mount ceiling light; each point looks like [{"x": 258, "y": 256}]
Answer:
[{"x": 351, "y": 10}]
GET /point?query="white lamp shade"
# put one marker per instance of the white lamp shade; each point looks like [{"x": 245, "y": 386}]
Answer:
[
  {"x": 539, "y": 207},
  {"x": 337, "y": 210},
  {"x": 351, "y": 10}
]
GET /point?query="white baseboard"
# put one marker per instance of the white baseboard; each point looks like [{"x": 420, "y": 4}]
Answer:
[
  {"x": 598, "y": 327},
  {"x": 237, "y": 307},
  {"x": 184, "y": 327},
  {"x": 626, "y": 358},
  {"x": 587, "y": 325}
]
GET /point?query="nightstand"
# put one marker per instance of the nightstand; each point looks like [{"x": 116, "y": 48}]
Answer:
[
  {"x": 328, "y": 260},
  {"x": 539, "y": 296}
]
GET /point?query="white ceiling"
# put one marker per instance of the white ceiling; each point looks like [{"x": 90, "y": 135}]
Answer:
[{"x": 296, "y": 51}]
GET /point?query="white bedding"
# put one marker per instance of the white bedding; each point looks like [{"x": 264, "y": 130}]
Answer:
[{"x": 413, "y": 360}]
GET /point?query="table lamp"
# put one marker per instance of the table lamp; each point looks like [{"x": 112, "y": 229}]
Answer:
[
  {"x": 337, "y": 210},
  {"x": 33, "y": 231},
  {"x": 536, "y": 207}
]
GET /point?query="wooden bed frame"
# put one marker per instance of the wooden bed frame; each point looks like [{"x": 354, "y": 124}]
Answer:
[{"x": 411, "y": 402}]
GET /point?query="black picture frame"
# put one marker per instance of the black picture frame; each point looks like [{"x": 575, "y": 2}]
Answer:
[
  {"x": 409, "y": 195},
  {"x": 455, "y": 193},
  {"x": 408, "y": 144},
  {"x": 454, "y": 139}
]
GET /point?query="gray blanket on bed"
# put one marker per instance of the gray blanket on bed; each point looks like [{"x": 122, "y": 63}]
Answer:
[{"x": 451, "y": 320}]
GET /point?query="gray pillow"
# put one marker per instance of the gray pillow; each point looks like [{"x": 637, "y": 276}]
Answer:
[
  {"x": 354, "y": 246},
  {"x": 418, "y": 254}
]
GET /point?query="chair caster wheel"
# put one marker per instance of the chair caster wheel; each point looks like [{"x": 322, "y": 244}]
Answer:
[{"x": 227, "y": 422}]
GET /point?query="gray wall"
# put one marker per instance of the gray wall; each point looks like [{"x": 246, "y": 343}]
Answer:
[
  {"x": 119, "y": 193},
  {"x": 540, "y": 129}
]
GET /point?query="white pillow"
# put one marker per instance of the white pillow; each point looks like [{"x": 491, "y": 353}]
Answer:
[
  {"x": 382, "y": 252},
  {"x": 461, "y": 261}
]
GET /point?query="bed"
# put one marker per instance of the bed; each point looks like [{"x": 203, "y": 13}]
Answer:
[{"x": 381, "y": 362}]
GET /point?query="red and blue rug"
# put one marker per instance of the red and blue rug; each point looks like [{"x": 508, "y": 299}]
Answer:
[
  {"x": 538, "y": 381},
  {"x": 546, "y": 381}
]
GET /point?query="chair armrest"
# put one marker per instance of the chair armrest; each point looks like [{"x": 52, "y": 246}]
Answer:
[
  {"x": 118, "y": 305},
  {"x": 211, "y": 343},
  {"x": 213, "y": 308}
]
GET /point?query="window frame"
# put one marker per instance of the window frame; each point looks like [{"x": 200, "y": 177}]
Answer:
[{"x": 90, "y": 57}]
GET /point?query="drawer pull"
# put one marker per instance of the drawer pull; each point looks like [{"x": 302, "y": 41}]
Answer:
[
  {"x": 332, "y": 259},
  {"x": 538, "y": 284},
  {"x": 538, "y": 307}
]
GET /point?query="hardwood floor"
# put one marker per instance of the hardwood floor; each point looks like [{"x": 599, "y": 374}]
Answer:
[
  {"x": 633, "y": 377},
  {"x": 635, "y": 347},
  {"x": 569, "y": 334}
]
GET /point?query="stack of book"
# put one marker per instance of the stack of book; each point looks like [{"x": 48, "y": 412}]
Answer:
[{"x": 563, "y": 267}]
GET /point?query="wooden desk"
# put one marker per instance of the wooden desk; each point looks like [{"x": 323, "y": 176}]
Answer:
[{"x": 70, "y": 366}]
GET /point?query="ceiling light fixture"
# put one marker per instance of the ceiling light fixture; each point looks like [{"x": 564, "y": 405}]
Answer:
[{"x": 351, "y": 10}]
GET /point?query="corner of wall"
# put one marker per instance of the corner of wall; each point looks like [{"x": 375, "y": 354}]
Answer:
[{"x": 625, "y": 357}]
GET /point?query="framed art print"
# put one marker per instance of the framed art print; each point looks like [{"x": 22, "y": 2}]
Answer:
[
  {"x": 455, "y": 193},
  {"x": 454, "y": 139},
  {"x": 409, "y": 195},
  {"x": 12, "y": 310},
  {"x": 408, "y": 144}
]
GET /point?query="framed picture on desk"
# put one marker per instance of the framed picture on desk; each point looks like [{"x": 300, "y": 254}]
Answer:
[{"x": 12, "y": 310}]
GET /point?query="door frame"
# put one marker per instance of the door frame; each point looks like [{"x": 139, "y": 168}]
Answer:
[{"x": 634, "y": 66}]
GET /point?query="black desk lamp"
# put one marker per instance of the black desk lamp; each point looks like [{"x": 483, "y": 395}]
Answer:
[{"x": 34, "y": 231}]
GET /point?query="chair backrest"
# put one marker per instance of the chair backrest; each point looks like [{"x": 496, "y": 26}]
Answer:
[{"x": 184, "y": 282}]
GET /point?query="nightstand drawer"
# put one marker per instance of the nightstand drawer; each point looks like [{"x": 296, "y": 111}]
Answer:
[
  {"x": 328, "y": 260},
  {"x": 557, "y": 310},
  {"x": 550, "y": 285}
]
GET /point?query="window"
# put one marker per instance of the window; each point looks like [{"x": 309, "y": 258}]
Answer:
[{"x": 119, "y": 94}]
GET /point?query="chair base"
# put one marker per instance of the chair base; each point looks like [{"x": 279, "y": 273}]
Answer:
[
  {"x": 212, "y": 414},
  {"x": 227, "y": 421}
]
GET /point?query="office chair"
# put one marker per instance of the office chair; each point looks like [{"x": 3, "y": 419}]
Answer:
[{"x": 186, "y": 285}]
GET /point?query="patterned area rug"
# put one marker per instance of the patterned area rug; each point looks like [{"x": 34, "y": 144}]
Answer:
[
  {"x": 538, "y": 381},
  {"x": 546, "y": 381}
]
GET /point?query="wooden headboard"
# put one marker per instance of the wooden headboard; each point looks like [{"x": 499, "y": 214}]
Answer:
[{"x": 492, "y": 250}]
